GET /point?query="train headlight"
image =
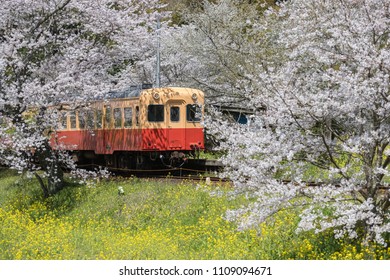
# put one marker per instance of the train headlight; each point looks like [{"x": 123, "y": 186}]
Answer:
[
  {"x": 194, "y": 96},
  {"x": 156, "y": 95}
]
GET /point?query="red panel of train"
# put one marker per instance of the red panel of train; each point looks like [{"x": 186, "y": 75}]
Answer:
[{"x": 135, "y": 128}]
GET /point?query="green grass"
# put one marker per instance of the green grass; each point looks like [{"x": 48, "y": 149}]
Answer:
[
  {"x": 152, "y": 220},
  {"x": 210, "y": 155}
]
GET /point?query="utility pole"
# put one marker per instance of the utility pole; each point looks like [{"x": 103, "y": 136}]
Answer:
[{"x": 158, "y": 54}]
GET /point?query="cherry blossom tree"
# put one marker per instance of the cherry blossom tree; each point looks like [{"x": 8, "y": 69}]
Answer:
[
  {"x": 62, "y": 51},
  {"x": 321, "y": 143},
  {"x": 218, "y": 49}
]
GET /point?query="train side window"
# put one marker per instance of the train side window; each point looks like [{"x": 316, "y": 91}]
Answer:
[
  {"x": 81, "y": 117},
  {"x": 108, "y": 117},
  {"x": 137, "y": 115},
  {"x": 99, "y": 117},
  {"x": 64, "y": 120},
  {"x": 194, "y": 113},
  {"x": 156, "y": 113},
  {"x": 128, "y": 117},
  {"x": 72, "y": 118},
  {"x": 175, "y": 114},
  {"x": 118, "y": 117},
  {"x": 89, "y": 122}
]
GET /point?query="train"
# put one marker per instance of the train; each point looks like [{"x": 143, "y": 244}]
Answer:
[{"x": 138, "y": 128}]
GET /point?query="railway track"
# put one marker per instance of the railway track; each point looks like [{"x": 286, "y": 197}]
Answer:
[
  {"x": 194, "y": 169},
  {"x": 198, "y": 170}
]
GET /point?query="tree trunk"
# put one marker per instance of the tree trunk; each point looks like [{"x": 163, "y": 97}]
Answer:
[
  {"x": 42, "y": 184},
  {"x": 49, "y": 162},
  {"x": 55, "y": 181}
]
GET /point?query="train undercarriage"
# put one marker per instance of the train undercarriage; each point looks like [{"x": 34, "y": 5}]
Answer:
[{"x": 135, "y": 160}]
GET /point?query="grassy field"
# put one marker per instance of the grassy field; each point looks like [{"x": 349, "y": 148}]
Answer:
[{"x": 152, "y": 220}]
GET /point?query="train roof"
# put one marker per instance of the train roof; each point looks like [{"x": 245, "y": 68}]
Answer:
[
  {"x": 136, "y": 91},
  {"x": 130, "y": 92}
]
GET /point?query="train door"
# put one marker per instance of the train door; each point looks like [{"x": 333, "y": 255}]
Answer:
[
  {"x": 99, "y": 131},
  {"x": 175, "y": 125},
  {"x": 194, "y": 132},
  {"x": 107, "y": 129},
  {"x": 104, "y": 121}
]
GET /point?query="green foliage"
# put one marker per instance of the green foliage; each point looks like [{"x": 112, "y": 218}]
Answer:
[
  {"x": 151, "y": 220},
  {"x": 181, "y": 8}
]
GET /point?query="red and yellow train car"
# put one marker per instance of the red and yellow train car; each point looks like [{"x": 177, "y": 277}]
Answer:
[{"x": 135, "y": 128}]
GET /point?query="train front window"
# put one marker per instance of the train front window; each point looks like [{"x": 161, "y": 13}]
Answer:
[
  {"x": 156, "y": 113},
  {"x": 175, "y": 114},
  {"x": 194, "y": 113}
]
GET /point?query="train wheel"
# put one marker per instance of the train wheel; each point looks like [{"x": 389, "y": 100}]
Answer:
[
  {"x": 124, "y": 161},
  {"x": 140, "y": 162},
  {"x": 177, "y": 159},
  {"x": 109, "y": 160}
]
